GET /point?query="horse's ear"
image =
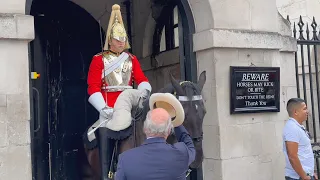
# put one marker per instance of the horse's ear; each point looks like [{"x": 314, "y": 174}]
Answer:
[
  {"x": 202, "y": 80},
  {"x": 176, "y": 86}
]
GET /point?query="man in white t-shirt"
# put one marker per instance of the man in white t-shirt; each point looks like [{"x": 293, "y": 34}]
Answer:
[{"x": 296, "y": 143}]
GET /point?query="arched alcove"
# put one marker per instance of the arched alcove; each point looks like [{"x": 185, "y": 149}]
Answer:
[
  {"x": 193, "y": 21},
  {"x": 202, "y": 13}
]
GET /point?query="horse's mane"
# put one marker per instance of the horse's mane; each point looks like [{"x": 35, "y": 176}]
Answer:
[{"x": 190, "y": 88}]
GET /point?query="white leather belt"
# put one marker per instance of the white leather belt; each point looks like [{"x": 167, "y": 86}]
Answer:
[
  {"x": 115, "y": 63},
  {"x": 116, "y": 88}
]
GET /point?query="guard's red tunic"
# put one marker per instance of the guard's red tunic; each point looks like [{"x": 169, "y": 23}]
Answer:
[{"x": 95, "y": 78}]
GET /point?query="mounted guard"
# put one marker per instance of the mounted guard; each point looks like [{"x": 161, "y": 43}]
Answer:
[{"x": 111, "y": 72}]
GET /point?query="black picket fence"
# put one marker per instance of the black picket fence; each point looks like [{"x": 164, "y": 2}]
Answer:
[{"x": 307, "y": 76}]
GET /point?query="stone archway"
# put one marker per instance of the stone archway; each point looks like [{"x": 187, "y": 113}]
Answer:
[
  {"x": 237, "y": 33},
  {"x": 199, "y": 9},
  {"x": 195, "y": 10},
  {"x": 191, "y": 13},
  {"x": 202, "y": 14}
]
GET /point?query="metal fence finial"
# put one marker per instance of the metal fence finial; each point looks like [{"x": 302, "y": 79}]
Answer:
[
  {"x": 314, "y": 29},
  {"x": 308, "y": 32},
  {"x": 301, "y": 24},
  {"x": 294, "y": 30}
]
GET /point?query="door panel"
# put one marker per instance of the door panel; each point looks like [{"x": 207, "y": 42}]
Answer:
[
  {"x": 39, "y": 129},
  {"x": 62, "y": 51}
]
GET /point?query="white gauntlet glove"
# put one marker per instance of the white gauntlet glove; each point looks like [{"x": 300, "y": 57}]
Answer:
[
  {"x": 106, "y": 112},
  {"x": 99, "y": 104},
  {"x": 145, "y": 89}
]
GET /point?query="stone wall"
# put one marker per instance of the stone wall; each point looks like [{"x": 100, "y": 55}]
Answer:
[
  {"x": 244, "y": 33},
  {"x": 233, "y": 33},
  {"x": 16, "y": 30}
]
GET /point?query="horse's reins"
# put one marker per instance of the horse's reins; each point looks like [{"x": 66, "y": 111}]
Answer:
[{"x": 134, "y": 124}]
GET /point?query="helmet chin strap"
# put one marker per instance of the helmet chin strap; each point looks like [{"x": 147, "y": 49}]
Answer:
[{"x": 101, "y": 42}]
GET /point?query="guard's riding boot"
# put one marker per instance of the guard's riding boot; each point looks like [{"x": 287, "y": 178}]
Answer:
[{"x": 105, "y": 152}]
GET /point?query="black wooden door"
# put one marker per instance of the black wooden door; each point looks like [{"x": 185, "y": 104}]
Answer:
[{"x": 67, "y": 37}]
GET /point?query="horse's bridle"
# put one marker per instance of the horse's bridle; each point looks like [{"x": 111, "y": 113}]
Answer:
[
  {"x": 193, "y": 98},
  {"x": 187, "y": 99}
]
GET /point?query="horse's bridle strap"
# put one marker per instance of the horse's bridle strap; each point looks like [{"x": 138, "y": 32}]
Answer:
[{"x": 194, "y": 98}]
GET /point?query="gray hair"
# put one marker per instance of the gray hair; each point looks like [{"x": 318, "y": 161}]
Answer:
[{"x": 152, "y": 129}]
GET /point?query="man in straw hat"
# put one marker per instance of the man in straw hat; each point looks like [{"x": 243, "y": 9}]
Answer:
[
  {"x": 111, "y": 72},
  {"x": 156, "y": 159}
]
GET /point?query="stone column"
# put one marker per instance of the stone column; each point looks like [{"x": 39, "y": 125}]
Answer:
[
  {"x": 16, "y": 31},
  {"x": 242, "y": 33}
]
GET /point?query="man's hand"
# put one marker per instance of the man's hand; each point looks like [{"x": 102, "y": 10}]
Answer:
[
  {"x": 315, "y": 176},
  {"x": 106, "y": 112},
  {"x": 306, "y": 178}
]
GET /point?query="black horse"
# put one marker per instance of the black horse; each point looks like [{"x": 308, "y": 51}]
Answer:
[{"x": 189, "y": 94}]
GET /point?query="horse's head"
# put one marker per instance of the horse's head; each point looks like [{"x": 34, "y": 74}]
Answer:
[{"x": 189, "y": 94}]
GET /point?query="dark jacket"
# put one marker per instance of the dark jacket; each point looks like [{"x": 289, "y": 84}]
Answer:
[{"x": 155, "y": 159}]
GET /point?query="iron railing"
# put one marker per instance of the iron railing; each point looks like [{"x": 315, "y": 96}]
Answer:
[{"x": 307, "y": 71}]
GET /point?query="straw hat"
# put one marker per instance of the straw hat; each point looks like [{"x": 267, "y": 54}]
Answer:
[{"x": 170, "y": 103}]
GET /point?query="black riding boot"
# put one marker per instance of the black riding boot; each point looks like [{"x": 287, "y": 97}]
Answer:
[{"x": 105, "y": 152}]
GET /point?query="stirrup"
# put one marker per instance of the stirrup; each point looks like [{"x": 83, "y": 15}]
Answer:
[
  {"x": 110, "y": 175},
  {"x": 188, "y": 172}
]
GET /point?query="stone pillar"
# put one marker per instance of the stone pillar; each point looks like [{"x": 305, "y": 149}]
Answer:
[
  {"x": 16, "y": 30},
  {"x": 242, "y": 33}
]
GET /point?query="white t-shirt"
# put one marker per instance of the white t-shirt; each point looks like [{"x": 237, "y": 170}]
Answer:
[{"x": 294, "y": 132}]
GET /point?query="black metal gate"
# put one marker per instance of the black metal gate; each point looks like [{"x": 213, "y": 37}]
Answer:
[{"x": 307, "y": 76}]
